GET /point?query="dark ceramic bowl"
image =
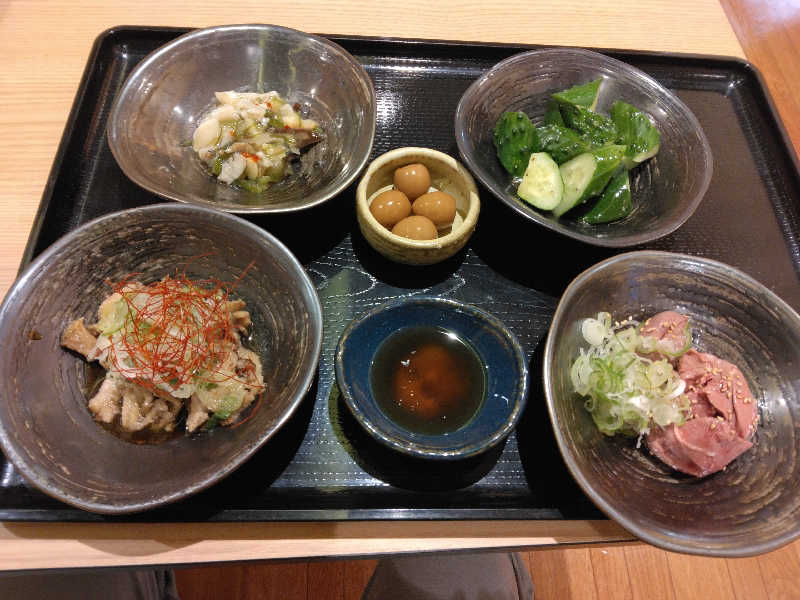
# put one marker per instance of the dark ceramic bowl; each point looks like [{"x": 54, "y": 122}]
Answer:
[
  {"x": 504, "y": 361},
  {"x": 666, "y": 189},
  {"x": 45, "y": 427},
  {"x": 167, "y": 94},
  {"x": 753, "y": 506}
]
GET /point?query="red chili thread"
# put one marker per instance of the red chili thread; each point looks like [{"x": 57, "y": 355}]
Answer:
[{"x": 181, "y": 333}]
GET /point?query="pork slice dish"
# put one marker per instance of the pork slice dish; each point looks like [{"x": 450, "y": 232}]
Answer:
[{"x": 172, "y": 353}]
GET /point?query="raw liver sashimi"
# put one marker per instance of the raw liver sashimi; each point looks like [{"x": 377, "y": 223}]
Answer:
[
  {"x": 723, "y": 386},
  {"x": 699, "y": 447}
]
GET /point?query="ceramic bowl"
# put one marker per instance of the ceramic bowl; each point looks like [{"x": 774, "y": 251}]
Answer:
[
  {"x": 46, "y": 429},
  {"x": 753, "y": 505},
  {"x": 167, "y": 94},
  {"x": 447, "y": 175},
  {"x": 666, "y": 189},
  {"x": 504, "y": 362}
]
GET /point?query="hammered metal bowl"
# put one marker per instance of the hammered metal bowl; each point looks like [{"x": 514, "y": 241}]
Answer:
[
  {"x": 666, "y": 189},
  {"x": 45, "y": 427},
  {"x": 751, "y": 507},
  {"x": 166, "y": 95}
]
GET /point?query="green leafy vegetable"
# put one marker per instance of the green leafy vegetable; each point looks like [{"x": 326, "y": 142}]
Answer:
[{"x": 514, "y": 138}]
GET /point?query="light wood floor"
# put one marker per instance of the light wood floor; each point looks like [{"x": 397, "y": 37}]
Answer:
[{"x": 618, "y": 572}]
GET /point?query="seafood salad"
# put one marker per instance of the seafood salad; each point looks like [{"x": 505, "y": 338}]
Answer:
[
  {"x": 167, "y": 346},
  {"x": 249, "y": 139},
  {"x": 694, "y": 410}
]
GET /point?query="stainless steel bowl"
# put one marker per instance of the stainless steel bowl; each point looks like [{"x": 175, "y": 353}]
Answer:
[
  {"x": 45, "y": 427},
  {"x": 163, "y": 99},
  {"x": 666, "y": 189},
  {"x": 753, "y": 506}
]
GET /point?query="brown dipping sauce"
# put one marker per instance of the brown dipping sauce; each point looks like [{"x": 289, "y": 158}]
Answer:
[{"x": 427, "y": 380}]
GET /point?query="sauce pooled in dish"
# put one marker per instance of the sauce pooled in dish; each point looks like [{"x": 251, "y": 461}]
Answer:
[{"x": 427, "y": 380}]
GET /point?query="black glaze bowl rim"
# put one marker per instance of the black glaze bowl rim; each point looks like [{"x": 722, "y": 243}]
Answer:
[
  {"x": 674, "y": 543},
  {"x": 198, "y": 35},
  {"x": 52, "y": 254},
  {"x": 625, "y": 241},
  {"x": 407, "y": 446}
]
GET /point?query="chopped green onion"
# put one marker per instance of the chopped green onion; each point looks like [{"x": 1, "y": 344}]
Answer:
[{"x": 626, "y": 390}]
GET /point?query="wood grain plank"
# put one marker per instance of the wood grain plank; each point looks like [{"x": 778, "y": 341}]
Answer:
[
  {"x": 611, "y": 579},
  {"x": 262, "y": 581},
  {"x": 699, "y": 578},
  {"x": 748, "y": 584},
  {"x": 649, "y": 573},
  {"x": 356, "y": 577},
  {"x": 326, "y": 580},
  {"x": 781, "y": 572},
  {"x": 562, "y": 574},
  {"x": 769, "y": 32}
]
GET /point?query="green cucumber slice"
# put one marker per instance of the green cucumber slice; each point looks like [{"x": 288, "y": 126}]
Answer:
[
  {"x": 584, "y": 95},
  {"x": 608, "y": 160},
  {"x": 560, "y": 143},
  {"x": 614, "y": 204},
  {"x": 552, "y": 115},
  {"x": 596, "y": 128},
  {"x": 587, "y": 175},
  {"x": 514, "y": 139},
  {"x": 541, "y": 184},
  {"x": 576, "y": 174},
  {"x": 635, "y": 131}
]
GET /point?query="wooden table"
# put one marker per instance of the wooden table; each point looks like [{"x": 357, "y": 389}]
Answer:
[{"x": 45, "y": 45}]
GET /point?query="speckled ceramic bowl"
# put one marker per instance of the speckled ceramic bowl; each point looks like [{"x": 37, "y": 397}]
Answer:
[
  {"x": 505, "y": 365},
  {"x": 751, "y": 507},
  {"x": 45, "y": 426},
  {"x": 447, "y": 175}
]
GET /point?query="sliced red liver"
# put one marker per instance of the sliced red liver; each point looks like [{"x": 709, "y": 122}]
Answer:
[
  {"x": 700, "y": 447},
  {"x": 724, "y": 387}
]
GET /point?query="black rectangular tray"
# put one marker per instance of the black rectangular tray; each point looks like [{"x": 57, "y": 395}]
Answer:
[{"x": 321, "y": 466}]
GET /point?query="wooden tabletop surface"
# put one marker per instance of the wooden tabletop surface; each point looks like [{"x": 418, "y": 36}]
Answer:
[{"x": 45, "y": 44}]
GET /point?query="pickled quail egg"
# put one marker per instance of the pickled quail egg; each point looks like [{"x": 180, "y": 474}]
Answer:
[
  {"x": 439, "y": 207},
  {"x": 413, "y": 180},
  {"x": 416, "y": 227},
  {"x": 390, "y": 207}
]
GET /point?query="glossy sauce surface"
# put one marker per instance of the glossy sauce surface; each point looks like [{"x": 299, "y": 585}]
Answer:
[{"x": 427, "y": 380}]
